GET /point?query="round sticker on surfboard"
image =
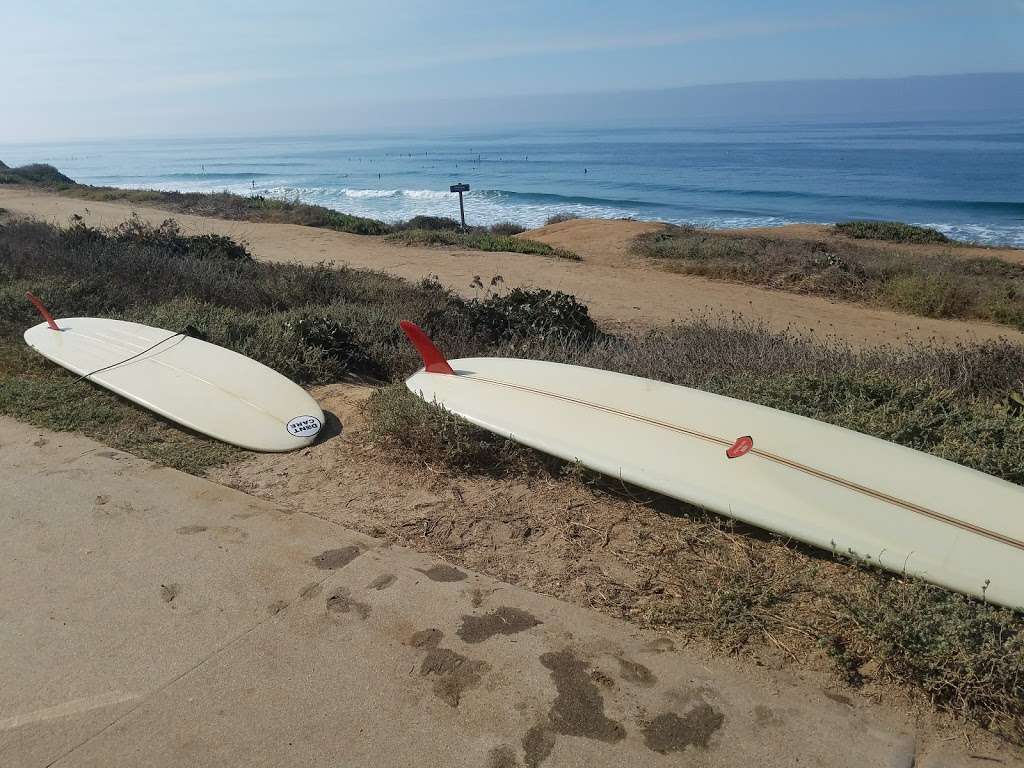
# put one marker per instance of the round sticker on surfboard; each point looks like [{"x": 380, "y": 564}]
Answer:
[{"x": 304, "y": 426}]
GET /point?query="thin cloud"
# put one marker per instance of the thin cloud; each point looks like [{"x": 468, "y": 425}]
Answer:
[
  {"x": 567, "y": 44},
  {"x": 189, "y": 81},
  {"x": 561, "y": 45}
]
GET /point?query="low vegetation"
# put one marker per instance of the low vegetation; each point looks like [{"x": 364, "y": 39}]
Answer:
[
  {"x": 708, "y": 577},
  {"x": 479, "y": 240},
  {"x": 558, "y": 218},
  {"x": 36, "y": 173},
  {"x": 168, "y": 238},
  {"x": 933, "y": 285},
  {"x": 429, "y": 223},
  {"x": 507, "y": 228},
  {"x": 446, "y": 232},
  {"x": 434, "y": 435},
  {"x": 226, "y": 205},
  {"x": 893, "y": 231}
]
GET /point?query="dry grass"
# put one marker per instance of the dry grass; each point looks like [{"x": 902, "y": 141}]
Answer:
[{"x": 932, "y": 285}]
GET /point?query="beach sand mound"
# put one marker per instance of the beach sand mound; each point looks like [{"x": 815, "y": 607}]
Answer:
[{"x": 598, "y": 241}]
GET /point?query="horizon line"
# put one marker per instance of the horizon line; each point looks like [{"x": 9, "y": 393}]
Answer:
[{"x": 392, "y": 130}]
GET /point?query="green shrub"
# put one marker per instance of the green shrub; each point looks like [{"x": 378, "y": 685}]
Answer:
[
  {"x": 1007, "y": 309},
  {"x": 436, "y": 435},
  {"x": 336, "y": 342},
  {"x": 558, "y": 218},
  {"x": 535, "y": 314},
  {"x": 967, "y": 657},
  {"x": 893, "y": 231},
  {"x": 169, "y": 238},
  {"x": 477, "y": 240},
  {"x": 506, "y": 228},
  {"x": 929, "y": 295},
  {"x": 36, "y": 173},
  {"x": 429, "y": 223}
]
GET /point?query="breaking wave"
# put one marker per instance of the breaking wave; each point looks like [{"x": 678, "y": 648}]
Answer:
[{"x": 532, "y": 209}]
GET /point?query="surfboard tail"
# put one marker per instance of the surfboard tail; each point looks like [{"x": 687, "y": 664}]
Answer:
[
  {"x": 433, "y": 360},
  {"x": 42, "y": 310}
]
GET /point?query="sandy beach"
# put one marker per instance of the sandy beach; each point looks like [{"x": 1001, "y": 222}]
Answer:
[{"x": 621, "y": 290}]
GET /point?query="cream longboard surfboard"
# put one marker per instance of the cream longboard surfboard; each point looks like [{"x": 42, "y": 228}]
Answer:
[
  {"x": 840, "y": 490},
  {"x": 204, "y": 387}
]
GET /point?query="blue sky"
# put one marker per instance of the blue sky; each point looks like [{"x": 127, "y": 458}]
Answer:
[{"x": 77, "y": 70}]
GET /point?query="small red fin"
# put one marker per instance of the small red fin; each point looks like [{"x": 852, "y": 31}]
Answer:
[
  {"x": 433, "y": 360},
  {"x": 42, "y": 310},
  {"x": 742, "y": 446}
]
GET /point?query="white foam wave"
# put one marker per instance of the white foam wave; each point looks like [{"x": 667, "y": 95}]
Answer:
[
  {"x": 490, "y": 207},
  {"x": 428, "y": 194},
  {"x": 980, "y": 233},
  {"x": 482, "y": 207},
  {"x": 357, "y": 194}
]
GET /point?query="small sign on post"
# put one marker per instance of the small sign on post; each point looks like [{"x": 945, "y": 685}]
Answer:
[{"x": 460, "y": 188}]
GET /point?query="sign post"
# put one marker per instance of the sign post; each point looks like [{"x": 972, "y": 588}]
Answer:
[{"x": 460, "y": 188}]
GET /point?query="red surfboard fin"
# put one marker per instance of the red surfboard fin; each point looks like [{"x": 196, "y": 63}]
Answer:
[
  {"x": 433, "y": 360},
  {"x": 42, "y": 311}
]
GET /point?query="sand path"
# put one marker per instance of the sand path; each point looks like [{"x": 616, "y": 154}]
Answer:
[{"x": 620, "y": 291}]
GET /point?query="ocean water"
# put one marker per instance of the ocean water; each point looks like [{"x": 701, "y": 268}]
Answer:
[{"x": 963, "y": 178}]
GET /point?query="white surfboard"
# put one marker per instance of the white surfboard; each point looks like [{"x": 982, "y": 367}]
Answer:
[
  {"x": 204, "y": 387},
  {"x": 840, "y": 490}
]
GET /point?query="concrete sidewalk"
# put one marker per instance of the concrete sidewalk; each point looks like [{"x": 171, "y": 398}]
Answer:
[{"x": 151, "y": 618}]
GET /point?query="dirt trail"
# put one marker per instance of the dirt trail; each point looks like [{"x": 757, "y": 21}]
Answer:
[{"x": 625, "y": 294}]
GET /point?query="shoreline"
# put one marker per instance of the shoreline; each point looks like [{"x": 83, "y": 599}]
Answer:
[{"x": 740, "y": 223}]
